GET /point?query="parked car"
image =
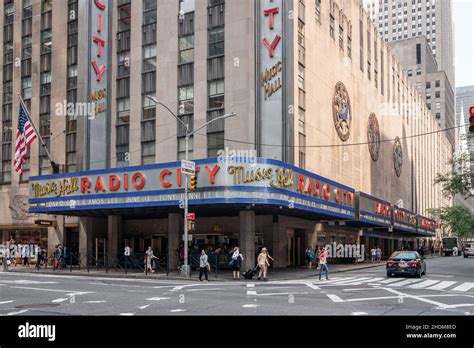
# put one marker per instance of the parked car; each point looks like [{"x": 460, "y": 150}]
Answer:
[
  {"x": 406, "y": 262},
  {"x": 468, "y": 250}
]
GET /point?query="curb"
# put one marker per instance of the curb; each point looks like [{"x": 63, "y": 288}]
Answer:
[{"x": 164, "y": 277}]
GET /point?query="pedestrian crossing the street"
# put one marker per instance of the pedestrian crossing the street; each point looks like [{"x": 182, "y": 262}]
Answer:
[{"x": 409, "y": 283}]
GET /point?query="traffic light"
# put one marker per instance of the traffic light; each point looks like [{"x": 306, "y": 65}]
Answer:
[
  {"x": 192, "y": 183},
  {"x": 471, "y": 119}
]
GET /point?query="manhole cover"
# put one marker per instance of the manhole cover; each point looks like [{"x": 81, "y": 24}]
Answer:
[{"x": 39, "y": 305}]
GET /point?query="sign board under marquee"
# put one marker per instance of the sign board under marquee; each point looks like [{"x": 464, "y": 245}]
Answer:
[
  {"x": 404, "y": 219},
  {"x": 373, "y": 210},
  {"x": 426, "y": 226},
  {"x": 264, "y": 182}
]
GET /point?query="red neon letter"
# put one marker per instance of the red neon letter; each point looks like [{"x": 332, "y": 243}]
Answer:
[
  {"x": 85, "y": 185},
  {"x": 99, "y": 4},
  {"x": 99, "y": 185},
  {"x": 212, "y": 173},
  {"x": 98, "y": 71},
  {"x": 164, "y": 183},
  {"x": 100, "y": 44},
  {"x": 138, "y": 186},
  {"x": 114, "y": 183},
  {"x": 271, "y": 46},
  {"x": 125, "y": 182},
  {"x": 99, "y": 22},
  {"x": 300, "y": 183},
  {"x": 270, "y": 13}
]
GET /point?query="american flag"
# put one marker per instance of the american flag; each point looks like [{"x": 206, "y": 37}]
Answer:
[{"x": 25, "y": 135}]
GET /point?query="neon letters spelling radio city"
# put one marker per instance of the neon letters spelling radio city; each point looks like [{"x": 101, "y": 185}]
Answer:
[{"x": 99, "y": 70}]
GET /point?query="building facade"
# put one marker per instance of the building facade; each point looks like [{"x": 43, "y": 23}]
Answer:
[
  {"x": 319, "y": 97},
  {"x": 403, "y": 19},
  {"x": 416, "y": 57}
]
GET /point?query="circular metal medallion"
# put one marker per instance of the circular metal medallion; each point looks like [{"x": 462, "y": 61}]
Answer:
[
  {"x": 341, "y": 107},
  {"x": 398, "y": 156},
  {"x": 373, "y": 137}
]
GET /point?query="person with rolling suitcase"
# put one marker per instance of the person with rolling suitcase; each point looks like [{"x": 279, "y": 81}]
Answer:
[{"x": 251, "y": 272}]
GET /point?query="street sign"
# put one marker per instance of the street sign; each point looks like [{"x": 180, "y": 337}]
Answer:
[
  {"x": 188, "y": 167},
  {"x": 45, "y": 223},
  {"x": 190, "y": 237},
  {"x": 191, "y": 216}
]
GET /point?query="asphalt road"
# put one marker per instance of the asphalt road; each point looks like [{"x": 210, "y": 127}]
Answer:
[{"x": 447, "y": 289}]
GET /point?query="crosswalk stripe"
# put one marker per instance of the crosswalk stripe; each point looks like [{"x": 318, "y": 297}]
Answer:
[
  {"x": 464, "y": 287},
  {"x": 388, "y": 281},
  {"x": 335, "y": 298},
  {"x": 442, "y": 285},
  {"x": 312, "y": 286},
  {"x": 423, "y": 284},
  {"x": 345, "y": 282},
  {"x": 405, "y": 282}
]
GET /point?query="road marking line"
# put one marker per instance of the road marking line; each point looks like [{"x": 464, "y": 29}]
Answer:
[
  {"x": 285, "y": 293},
  {"x": 358, "y": 282},
  {"x": 423, "y": 284},
  {"x": 15, "y": 313},
  {"x": 334, "y": 298},
  {"x": 251, "y": 293},
  {"x": 405, "y": 282},
  {"x": 211, "y": 289},
  {"x": 443, "y": 285},
  {"x": 25, "y": 282},
  {"x": 250, "y": 285},
  {"x": 59, "y": 300},
  {"x": 177, "y": 310},
  {"x": 360, "y": 313},
  {"x": 312, "y": 286},
  {"x": 250, "y": 305},
  {"x": 143, "y": 307},
  {"x": 158, "y": 298},
  {"x": 371, "y": 298},
  {"x": 54, "y": 290},
  {"x": 439, "y": 304},
  {"x": 103, "y": 301},
  {"x": 7, "y": 302},
  {"x": 127, "y": 314},
  {"x": 464, "y": 287}
]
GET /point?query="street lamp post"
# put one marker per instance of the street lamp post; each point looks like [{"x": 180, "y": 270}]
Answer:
[{"x": 185, "y": 269}]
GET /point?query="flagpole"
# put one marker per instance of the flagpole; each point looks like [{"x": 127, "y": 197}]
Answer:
[{"x": 53, "y": 164}]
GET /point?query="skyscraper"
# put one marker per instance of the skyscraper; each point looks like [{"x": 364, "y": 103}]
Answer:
[{"x": 403, "y": 19}]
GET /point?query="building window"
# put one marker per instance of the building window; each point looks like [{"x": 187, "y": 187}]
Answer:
[
  {"x": 302, "y": 151},
  {"x": 215, "y": 143},
  {"x": 410, "y": 73},
  {"x": 438, "y": 83},
  {"x": 438, "y": 94},
  {"x": 182, "y": 148},
  {"x": 418, "y": 71},
  {"x": 438, "y": 115},
  {"x": 216, "y": 94},
  {"x": 186, "y": 100},
  {"x": 318, "y": 10},
  {"x": 216, "y": 42},
  {"x": 428, "y": 85},
  {"x": 186, "y": 49},
  {"x": 361, "y": 45},
  {"x": 418, "y": 53}
]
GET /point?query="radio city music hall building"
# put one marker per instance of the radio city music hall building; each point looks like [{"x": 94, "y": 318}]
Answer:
[{"x": 318, "y": 96}]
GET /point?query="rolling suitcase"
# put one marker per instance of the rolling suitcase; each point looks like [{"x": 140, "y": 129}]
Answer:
[{"x": 250, "y": 272}]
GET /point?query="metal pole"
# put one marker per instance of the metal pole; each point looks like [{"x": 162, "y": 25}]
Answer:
[
  {"x": 186, "y": 270},
  {"x": 70, "y": 262}
]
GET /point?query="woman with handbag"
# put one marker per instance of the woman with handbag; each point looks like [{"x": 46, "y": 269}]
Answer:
[
  {"x": 236, "y": 263},
  {"x": 203, "y": 265}
]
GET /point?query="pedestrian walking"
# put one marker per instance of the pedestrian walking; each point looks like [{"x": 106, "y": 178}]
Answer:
[
  {"x": 373, "y": 254},
  {"x": 149, "y": 259},
  {"x": 203, "y": 265},
  {"x": 310, "y": 256},
  {"x": 316, "y": 259},
  {"x": 39, "y": 258},
  {"x": 378, "y": 254},
  {"x": 236, "y": 263},
  {"x": 263, "y": 263},
  {"x": 25, "y": 255},
  {"x": 323, "y": 263}
]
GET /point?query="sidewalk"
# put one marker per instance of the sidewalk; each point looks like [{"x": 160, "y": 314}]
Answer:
[{"x": 222, "y": 275}]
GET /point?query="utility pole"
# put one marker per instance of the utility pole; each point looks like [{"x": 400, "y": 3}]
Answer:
[{"x": 186, "y": 268}]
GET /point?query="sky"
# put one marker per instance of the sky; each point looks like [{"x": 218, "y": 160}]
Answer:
[{"x": 463, "y": 13}]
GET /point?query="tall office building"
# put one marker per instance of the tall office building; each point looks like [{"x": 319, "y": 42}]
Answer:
[{"x": 403, "y": 19}]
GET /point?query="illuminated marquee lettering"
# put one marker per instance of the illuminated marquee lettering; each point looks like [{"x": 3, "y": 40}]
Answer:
[{"x": 100, "y": 43}]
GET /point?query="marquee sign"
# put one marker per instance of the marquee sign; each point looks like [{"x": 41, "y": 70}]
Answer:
[
  {"x": 373, "y": 210},
  {"x": 426, "y": 226},
  {"x": 404, "y": 219},
  {"x": 266, "y": 182}
]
